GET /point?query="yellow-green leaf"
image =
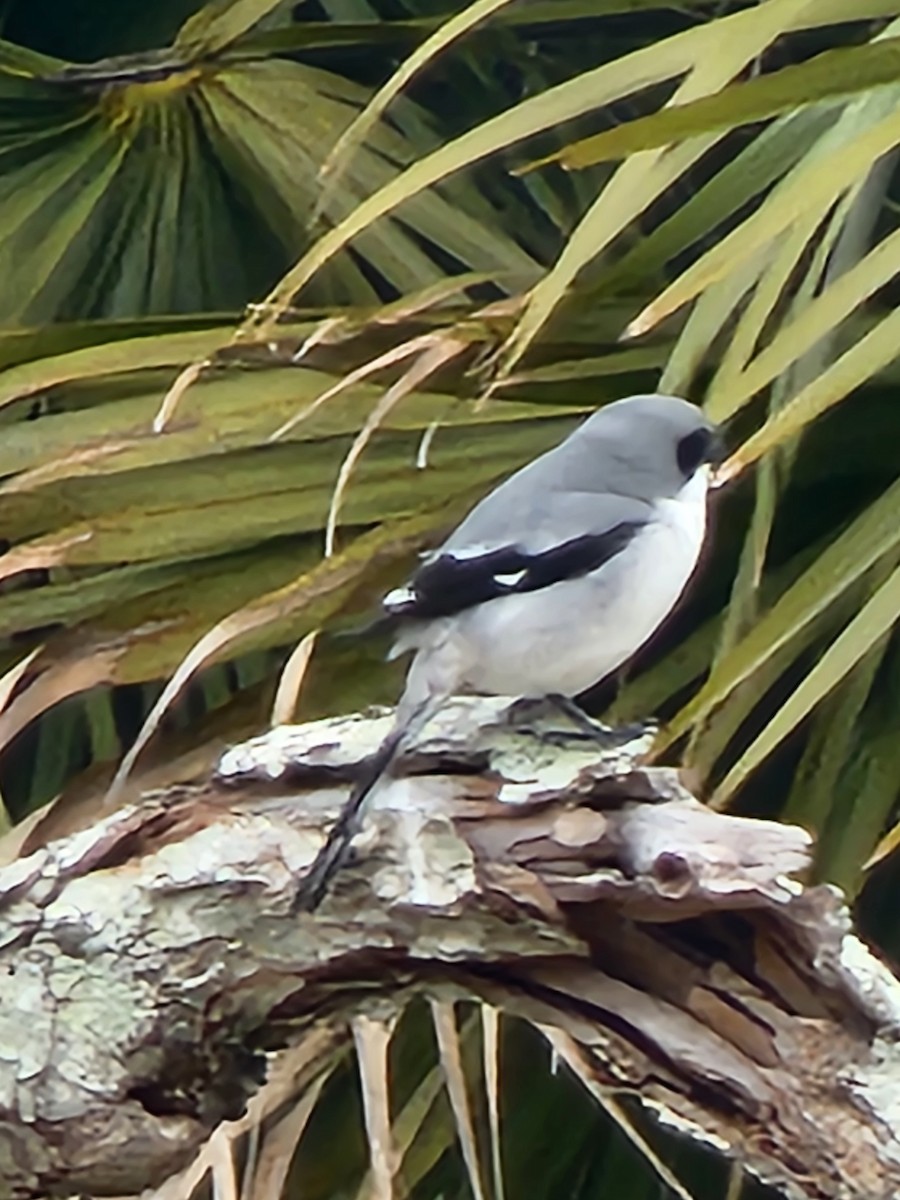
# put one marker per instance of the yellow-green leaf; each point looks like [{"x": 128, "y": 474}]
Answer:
[
  {"x": 874, "y": 533},
  {"x": 876, "y": 618}
]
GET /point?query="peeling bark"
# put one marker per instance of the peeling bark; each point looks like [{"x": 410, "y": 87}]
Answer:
[{"x": 150, "y": 961}]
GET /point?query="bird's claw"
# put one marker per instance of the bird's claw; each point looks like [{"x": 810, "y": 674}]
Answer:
[{"x": 581, "y": 726}]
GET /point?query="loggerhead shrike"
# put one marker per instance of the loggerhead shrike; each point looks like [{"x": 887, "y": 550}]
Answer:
[{"x": 555, "y": 579}]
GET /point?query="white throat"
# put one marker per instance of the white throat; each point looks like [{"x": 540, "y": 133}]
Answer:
[
  {"x": 685, "y": 512},
  {"x": 696, "y": 488}
]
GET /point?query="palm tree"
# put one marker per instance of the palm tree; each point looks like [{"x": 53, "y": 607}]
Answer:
[{"x": 260, "y": 260}]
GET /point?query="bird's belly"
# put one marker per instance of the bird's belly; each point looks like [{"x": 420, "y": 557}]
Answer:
[{"x": 568, "y": 637}]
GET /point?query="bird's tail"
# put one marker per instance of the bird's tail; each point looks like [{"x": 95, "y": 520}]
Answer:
[{"x": 333, "y": 853}]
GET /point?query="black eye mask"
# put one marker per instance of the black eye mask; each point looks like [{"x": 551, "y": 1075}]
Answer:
[{"x": 701, "y": 446}]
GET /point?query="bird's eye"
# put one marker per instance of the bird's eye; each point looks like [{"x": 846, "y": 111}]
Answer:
[{"x": 701, "y": 446}]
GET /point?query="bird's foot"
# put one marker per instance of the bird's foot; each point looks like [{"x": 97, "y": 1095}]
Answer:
[{"x": 528, "y": 711}]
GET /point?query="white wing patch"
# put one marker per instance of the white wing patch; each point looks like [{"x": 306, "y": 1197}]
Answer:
[
  {"x": 510, "y": 580},
  {"x": 462, "y": 553},
  {"x": 399, "y": 598}
]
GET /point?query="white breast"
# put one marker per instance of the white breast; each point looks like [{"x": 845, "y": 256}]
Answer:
[
  {"x": 686, "y": 512},
  {"x": 568, "y": 637}
]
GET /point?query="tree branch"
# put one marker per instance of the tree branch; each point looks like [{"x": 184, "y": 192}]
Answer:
[{"x": 150, "y": 961}]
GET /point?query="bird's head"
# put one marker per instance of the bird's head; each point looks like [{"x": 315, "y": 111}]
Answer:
[{"x": 644, "y": 446}]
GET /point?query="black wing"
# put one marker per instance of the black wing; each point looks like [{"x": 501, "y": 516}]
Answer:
[{"x": 453, "y": 582}]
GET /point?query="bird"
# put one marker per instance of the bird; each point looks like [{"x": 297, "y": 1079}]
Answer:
[{"x": 554, "y": 580}]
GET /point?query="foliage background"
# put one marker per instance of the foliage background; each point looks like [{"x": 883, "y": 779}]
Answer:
[{"x": 718, "y": 180}]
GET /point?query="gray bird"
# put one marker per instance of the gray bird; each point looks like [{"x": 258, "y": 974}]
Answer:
[
  {"x": 556, "y": 578},
  {"x": 562, "y": 573}
]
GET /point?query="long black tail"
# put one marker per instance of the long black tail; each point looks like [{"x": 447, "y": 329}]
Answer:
[{"x": 333, "y": 854}]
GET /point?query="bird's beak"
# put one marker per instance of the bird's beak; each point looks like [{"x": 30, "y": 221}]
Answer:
[
  {"x": 716, "y": 456},
  {"x": 718, "y": 451},
  {"x": 726, "y": 471}
]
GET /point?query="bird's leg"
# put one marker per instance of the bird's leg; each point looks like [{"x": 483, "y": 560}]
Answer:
[
  {"x": 586, "y": 727},
  {"x": 608, "y": 735},
  {"x": 579, "y": 718}
]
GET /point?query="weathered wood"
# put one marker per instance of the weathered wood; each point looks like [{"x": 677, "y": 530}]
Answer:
[{"x": 151, "y": 960}]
